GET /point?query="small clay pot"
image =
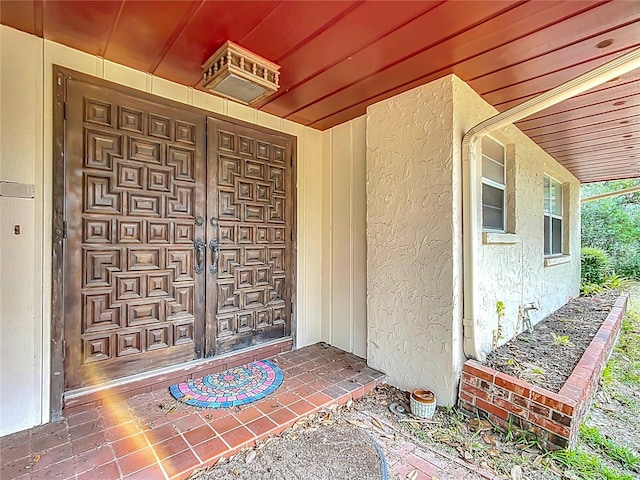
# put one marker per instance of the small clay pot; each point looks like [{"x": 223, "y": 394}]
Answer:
[{"x": 423, "y": 403}]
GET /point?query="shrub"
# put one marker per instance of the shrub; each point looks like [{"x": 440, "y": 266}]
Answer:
[
  {"x": 596, "y": 265},
  {"x": 626, "y": 260}
]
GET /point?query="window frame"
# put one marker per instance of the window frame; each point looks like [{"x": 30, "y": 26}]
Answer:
[
  {"x": 549, "y": 216},
  {"x": 494, "y": 184}
]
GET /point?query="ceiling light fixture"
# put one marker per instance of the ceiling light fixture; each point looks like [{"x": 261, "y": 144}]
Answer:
[{"x": 236, "y": 73}]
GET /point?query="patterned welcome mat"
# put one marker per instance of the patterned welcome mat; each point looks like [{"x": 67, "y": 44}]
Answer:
[{"x": 235, "y": 386}]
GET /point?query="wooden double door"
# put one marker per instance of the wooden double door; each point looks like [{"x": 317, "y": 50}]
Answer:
[{"x": 178, "y": 237}]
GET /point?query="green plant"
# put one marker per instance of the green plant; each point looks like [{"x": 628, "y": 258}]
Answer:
[
  {"x": 587, "y": 465},
  {"x": 497, "y": 333},
  {"x": 596, "y": 265},
  {"x": 587, "y": 289},
  {"x": 616, "y": 282},
  {"x": 622, "y": 455},
  {"x": 625, "y": 361},
  {"x": 613, "y": 224},
  {"x": 562, "y": 340}
]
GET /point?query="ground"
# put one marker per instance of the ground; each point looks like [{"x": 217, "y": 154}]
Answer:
[
  {"x": 608, "y": 447},
  {"x": 547, "y": 355}
]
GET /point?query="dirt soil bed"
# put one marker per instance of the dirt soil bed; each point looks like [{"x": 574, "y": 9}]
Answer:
[
  {"x": 320, "y": 447},
  {"x": 547, "y": 356}
]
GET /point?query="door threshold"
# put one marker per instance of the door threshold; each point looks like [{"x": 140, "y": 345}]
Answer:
[{"x": 164, "y": 377}]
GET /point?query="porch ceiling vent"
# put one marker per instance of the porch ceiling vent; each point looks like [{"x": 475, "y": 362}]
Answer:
[{"x": 236, "y": 73}]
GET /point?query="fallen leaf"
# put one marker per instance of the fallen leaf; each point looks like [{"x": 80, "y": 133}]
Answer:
[
  {"x": 377, "y": 423},
  {"x": 490, "y": 440},
  {"x": 36, "y": 458},
  {"x": 493, "y": 452},
  {"x": 251, "y": 456},
  {"x": 412, "y": 475},
  {"x": 516, "y": 472},
  {"x": 357, "y": 423},
  {"x": 477, "y": 425}
]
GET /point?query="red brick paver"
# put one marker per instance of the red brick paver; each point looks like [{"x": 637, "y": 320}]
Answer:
[{"x": 134, "y": 438}]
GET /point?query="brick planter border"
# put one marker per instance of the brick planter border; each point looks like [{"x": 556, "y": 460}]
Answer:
[{"x": 554, "y": 417}]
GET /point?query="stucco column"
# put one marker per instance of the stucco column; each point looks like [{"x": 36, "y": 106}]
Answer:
[{"x": 413, "y": 240}]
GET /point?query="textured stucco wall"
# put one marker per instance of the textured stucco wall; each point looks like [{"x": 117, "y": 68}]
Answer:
[
  {"x": 413, "y": 327},
  {"x": 515, "y": 273},
  {"x": 414, "y": 238},
  {"x": 26, "y": 152}
]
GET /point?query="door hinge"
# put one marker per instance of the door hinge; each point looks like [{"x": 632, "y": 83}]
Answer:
[
  {"x": 292, "y": 160},
  {"x": 64, "y": 110},
  {"x": 292, "y": 235},
  {"x": 64, "y": 229}
]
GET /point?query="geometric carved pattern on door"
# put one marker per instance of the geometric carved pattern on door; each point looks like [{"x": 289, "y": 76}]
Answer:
[
  {"x": 252, "y": 294},
  {"x": 141, "y": 190},
  {"x": 136, "y": 168}
]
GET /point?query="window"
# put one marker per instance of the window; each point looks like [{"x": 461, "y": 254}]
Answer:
[
  {"x": 553, "y": 231},
  {"x": 493, "y": 185}
]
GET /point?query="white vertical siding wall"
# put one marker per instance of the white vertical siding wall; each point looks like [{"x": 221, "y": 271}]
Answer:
[
  {"x": 26, "y": 131},
  {"x": 22, "y": 335},
  {"x": 344, "y": 243}
]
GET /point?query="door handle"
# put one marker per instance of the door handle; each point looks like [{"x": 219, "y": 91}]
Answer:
[
  {"x": 199, "y": 246},
  {"x": 215, "y": 249}
]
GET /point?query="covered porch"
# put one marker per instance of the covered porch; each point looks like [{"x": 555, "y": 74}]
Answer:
[{"x": 376, "y": 97}]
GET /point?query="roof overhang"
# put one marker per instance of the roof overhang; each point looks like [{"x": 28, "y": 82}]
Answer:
[{"x": 339, "y": 57}]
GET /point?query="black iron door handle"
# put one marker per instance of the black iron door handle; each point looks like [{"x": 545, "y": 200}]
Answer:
[
  {"x": 199, "y": 246},
  {"x": 215, "y": 249}
]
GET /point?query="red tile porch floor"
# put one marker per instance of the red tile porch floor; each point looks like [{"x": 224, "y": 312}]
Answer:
[{"x": 135, "y": 438}]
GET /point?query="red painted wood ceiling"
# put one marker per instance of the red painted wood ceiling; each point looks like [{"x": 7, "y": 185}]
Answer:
[{"x": 337, "y": 57}]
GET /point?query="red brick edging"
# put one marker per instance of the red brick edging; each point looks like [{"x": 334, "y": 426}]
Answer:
[{"x": 554, "y": 417}]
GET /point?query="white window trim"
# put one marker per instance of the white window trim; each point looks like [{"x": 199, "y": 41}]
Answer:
[
  {"x": 499, "y": 186},
  {"x": 495, "y": 238},
  {"x": 556, "y": 259},
  {"x": 562, "y": 257}
]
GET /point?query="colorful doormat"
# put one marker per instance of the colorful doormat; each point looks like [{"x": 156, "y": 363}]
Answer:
[{"x": 235, "y": 386}]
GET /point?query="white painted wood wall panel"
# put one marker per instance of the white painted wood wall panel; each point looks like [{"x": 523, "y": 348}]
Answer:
[
  {"x": 344, "y": 227},
  {"x": 359, "y": 235},
  {"x": 21, "y": 363}
]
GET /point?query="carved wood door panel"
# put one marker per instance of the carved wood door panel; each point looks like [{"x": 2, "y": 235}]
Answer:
[
  {"x": 250, "y": 206},
  {"x": 134, "y": 189}
]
